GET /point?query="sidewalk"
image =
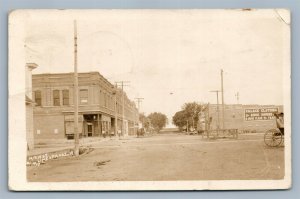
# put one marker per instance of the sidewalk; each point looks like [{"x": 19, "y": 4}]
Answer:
[
  {"x": 56, "y": 149},
  {"x": 53, "y": 146}
]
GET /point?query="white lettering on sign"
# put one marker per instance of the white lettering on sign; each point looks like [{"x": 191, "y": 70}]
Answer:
[
  {"x": 37, "y": 160},
  {"x": 251, "y": 110},
  {"x": 260, "y": 114}
]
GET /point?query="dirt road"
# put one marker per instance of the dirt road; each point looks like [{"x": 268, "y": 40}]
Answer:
[{"x": 168, "y": 157}]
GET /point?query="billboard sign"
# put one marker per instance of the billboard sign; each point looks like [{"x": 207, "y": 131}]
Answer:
[{"x": 260, "y": 114}]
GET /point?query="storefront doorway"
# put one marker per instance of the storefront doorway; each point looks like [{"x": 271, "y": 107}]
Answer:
[
  {"x": 90, "y": 129},
  {"x": 90, "y": 125}
]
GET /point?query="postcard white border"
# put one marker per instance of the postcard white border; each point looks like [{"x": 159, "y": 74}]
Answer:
[{"x": 17, "y": 126}]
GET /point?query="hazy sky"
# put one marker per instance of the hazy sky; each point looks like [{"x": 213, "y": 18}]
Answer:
[{"x": 164, "y": 52}]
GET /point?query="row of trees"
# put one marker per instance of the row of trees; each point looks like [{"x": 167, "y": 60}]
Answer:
[
  {"x": 155, "y": 120},
  {"x": 188, "y": 116}
]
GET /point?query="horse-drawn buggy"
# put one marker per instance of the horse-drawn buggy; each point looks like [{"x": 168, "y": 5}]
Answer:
[{"x": 275, "y": 137}]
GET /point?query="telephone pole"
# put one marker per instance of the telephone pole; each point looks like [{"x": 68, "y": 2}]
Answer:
[
  {"x": 223, "y": 107},
  {"x": 218, "y": 121},
  {"x": 187, "y": 126},
  {"x": 76, "y": 135},
  {"x": 116, "y": 110},
  {"x": 122, "y": 84},
  {"x": 139, "y": 100},
  {"x": 237, "y": 97}
]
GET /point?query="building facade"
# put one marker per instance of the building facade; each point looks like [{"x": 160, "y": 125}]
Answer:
[
  {"x": 100, "y": 103},
  {"x": 248, "y": 118}
]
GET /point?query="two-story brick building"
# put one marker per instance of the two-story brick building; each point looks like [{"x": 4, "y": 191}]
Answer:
[{"x": 99, "y": 104}]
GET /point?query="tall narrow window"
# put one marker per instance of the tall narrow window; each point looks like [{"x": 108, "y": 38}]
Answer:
[
  {"x": 110, "y": 105},
  {"x": 56, "y": 100},
  {"x": 104, "y": 99},
  {"x": 66, "y": 97},
  {"x": 100, "y": 100},
  {"x": 107, "y": 100},
  {"x": 83, "y": 94},
  {"x": 111, "y": 102},
  {"x": 38, "y": 98}
]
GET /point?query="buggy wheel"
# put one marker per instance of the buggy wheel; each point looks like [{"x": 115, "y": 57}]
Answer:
[{"x": 273, "y": 138}]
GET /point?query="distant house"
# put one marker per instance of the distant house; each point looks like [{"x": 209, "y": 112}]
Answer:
[
  {"x": 29, "y": 105},
  {"x": 99, "y": 103}
]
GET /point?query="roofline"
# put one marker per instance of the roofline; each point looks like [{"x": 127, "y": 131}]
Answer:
[
  {"x": 80, "y": 73},
  {"x": 101, "y": 76}
]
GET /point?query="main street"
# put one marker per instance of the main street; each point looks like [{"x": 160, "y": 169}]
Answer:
[{"x": 168, "y": 157}]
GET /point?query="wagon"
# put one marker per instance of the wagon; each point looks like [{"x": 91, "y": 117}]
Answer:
[{"x": 275, "y": 137}]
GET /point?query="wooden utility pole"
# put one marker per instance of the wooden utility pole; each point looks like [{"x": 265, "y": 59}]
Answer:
[
  {"x": 121, "y": 83},
  {"x": 208, "y": 124},
  {"x": 218, "y": 112},
  {"x": 139, "y": 100},
  {"x": 237, "y": 97},
  {"x": 116, "y": 111},
  {"x": 223, "y": 106},
  {"x": 76, "y": 135},
  {"x": 187, "y": 126}
]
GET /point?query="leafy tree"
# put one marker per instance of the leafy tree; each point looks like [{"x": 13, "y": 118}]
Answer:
[
  {"x": 179, "y": 119},
  {"x": 190, "y": 112},
  {"x": 158, "y": 120}
]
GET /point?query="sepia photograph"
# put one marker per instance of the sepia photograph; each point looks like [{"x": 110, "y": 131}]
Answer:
[{"x": 183, "y": 99}]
